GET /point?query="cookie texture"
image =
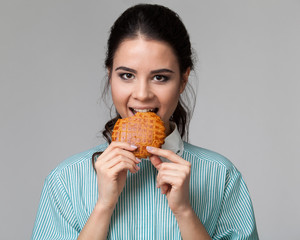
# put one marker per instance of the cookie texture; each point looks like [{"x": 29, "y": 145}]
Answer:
[{"x": 141, "y": 130}]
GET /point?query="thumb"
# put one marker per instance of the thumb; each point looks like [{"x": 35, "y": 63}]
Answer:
[{"x": 155, "y": 160}]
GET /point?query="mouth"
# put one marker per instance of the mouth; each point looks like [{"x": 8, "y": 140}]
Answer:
[{"x": 135, "y": 110}]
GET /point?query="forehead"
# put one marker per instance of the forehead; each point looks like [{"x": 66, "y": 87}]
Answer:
[{"x": 143, "y": 52}]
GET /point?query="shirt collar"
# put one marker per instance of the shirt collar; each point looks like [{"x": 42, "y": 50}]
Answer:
[{"x": 173, "y": 142}]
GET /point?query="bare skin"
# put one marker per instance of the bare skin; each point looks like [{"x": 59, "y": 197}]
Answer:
[
  {"x": 111, "y": 167},
  {"x": 145, "y": 77},
  {"x": 173, "y": 179}
]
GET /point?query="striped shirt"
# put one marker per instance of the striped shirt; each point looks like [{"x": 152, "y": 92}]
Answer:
[{"x": 218, "y": 195}]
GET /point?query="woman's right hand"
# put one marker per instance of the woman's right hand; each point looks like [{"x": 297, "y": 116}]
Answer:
[{"x": 111, "y": 167}]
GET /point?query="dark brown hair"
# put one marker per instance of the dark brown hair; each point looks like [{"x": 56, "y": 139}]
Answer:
[{"x": 157, "y": 23}]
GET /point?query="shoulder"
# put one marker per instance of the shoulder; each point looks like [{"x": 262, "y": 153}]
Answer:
[
  {"x": 77, "y": 162},
  {"x": 199, "y": 155},
  {"x": 211, "y": 165}
]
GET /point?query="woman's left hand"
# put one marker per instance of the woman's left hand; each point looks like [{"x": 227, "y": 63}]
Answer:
[{"x": 173, "y": 178}]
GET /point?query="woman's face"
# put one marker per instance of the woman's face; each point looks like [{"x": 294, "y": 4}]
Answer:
[{"x": 146, "y": 77}]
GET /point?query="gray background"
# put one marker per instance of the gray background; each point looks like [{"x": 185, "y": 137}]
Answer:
[{"x": 51, "y": 60}]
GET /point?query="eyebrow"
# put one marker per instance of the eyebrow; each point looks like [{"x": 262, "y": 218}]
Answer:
[
  {"x": 126, "y": 69},
  {"x": 163, "y": 70}
]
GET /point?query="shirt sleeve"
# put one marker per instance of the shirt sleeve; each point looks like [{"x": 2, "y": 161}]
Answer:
[
  {"x": 55, "y": 217},
  {"x": 236, "y": 220}
]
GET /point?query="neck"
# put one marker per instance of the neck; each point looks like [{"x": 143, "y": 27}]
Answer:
[{"x": 169, "y": 128}]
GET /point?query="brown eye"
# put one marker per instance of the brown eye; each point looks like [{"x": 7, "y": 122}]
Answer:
[
  {"x": 160, "y": 78},
  {"x": 126, "y": 76}
]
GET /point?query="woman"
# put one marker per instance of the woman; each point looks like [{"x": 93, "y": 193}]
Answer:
[{"x": 183, "y": 192}]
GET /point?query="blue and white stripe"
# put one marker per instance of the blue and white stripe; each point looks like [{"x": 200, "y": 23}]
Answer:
[{"x": 218, "y": 196}]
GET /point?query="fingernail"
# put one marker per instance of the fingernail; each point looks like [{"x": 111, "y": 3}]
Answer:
[
  {"x": 133, "y": 146},
  {"x": 137, "y": 167},
  {"x": 149, "y": 148},
  {"x": 139, "y": 160}
]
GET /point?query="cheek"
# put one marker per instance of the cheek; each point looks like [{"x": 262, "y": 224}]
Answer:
[
  {"x": 170, "y": 100},
  {"x": 116, "y": 89},
  {"x": 116, "y": 93},
  {"x": 172, "y": 95}
]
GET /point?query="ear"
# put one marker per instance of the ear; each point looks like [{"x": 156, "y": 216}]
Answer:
[{"x": 185, "y": 78}]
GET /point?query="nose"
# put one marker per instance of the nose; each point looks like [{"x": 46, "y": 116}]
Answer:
[{"x": 142, "y": 90}]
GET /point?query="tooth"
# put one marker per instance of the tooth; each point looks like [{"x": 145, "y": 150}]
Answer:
[{"x": 143, "y": 110}]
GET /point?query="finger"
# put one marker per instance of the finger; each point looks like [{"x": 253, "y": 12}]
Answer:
[
  {"x": 121, "y": 166},
  {"x": 110, "y": 160},
  {"x": 113, "y": 152},
  {"x": 169, "y": 180},
  {"x": 165, "y": 188},
  {"x": 174, "y": 166},
  {"x": 156, "y": 161},
  {"x": 120, "y": 145},
  {"x": 124, "y": 145},
  {"x": 164, "y": 176},
  {"x": 120, "y": 152},
  {"x": 119, "y": 160},
  {"x": 166, "y": 154}
]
